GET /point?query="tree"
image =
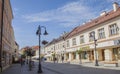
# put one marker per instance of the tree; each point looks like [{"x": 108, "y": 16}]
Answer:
[
  {"x": 28, "y": 52},
  {"x": 79, "y": 52}
]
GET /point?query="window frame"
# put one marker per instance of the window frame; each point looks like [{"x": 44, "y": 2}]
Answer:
[
  {"x": 101, "y": 33},
  {"x": 82, "y": 39},
  {"x": 113, "y": 29},
  {"x": 74, "y": 41},
  {"x": 91, "y": 38}
]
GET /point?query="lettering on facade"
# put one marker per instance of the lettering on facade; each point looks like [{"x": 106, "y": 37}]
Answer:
[{"x": 85, "y": 48}]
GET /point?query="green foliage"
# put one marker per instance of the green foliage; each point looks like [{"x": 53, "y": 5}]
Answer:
[
  {"x": 82, "y": 48},
  {"x": 23, "y": 56},
  {"x": 28, "y": 52},
  {"x": 53, "y": 54},
  {"x": 25, "y": 53},
  {"x": 79, "y": 51}
]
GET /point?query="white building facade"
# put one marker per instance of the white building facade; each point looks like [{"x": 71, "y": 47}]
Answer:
[{"x": 106, "y": 29}]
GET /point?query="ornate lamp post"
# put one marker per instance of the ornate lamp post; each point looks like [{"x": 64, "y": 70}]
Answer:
[
  {"x": 64, "y": 57},
  {"x": 64, "y": 52},
  {"x": 95, "y": 40},
  {"x": 39, "y": 34},
  {"x": 54, "y": 54}
]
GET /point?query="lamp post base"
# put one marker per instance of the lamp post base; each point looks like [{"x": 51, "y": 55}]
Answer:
[
  {"x": 39, "y": 69},
  {"x": 96, "y": 63}
]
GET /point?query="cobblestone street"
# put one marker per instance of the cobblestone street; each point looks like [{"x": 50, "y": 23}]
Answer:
[
  {"x": 58, "y": 68},
  {"x": 17, "y": 69},
  {"x": 78, "y": 69}
]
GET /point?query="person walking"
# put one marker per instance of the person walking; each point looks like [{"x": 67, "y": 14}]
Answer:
[
  {"x": 62, "y": 59},
  {"x": 21, "y": 61}
]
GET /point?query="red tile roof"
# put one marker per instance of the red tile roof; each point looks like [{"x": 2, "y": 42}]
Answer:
[
  {"x": 108, "y": 16},
  {"x": 35, "y": 47}
]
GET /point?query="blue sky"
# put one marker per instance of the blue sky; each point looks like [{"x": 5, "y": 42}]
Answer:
[{"x": 56, "y": 15}]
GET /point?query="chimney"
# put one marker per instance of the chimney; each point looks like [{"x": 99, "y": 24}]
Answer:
[
  {"x": 115, "y": 6},
  {"x": 103, "y": 13}
]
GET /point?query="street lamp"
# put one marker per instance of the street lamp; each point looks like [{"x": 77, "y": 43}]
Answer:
[
  {"x": 54, "y": 54},
  {"x": 64, "y": 53},
  {"x": 95, "y": 40},
  {"x": 64, "y": 46},
  {"x": 39, "y": 34}
]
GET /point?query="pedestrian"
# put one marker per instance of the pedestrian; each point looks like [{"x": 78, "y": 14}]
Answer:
[
  {"x": 62, "y": 59},
  {"x": 55, "y": 59},
  {"x": 21, "y": 61}
]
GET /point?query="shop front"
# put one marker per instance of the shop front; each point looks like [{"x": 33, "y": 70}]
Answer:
[
  {"x": 116, "y": 50},
  {"x": 87, "y": 54},
  {"x": 7, "y": 56}
]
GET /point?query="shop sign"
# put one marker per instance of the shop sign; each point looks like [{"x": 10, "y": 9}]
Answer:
[
  {"x": 117, "y": 42},
  {"x": 85, "y": 48}
]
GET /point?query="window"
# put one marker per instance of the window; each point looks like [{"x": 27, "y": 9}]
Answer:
[
  {"x": 60, "y": 46},
  {"x": 91, "y": 36},
  {"x": 115, "y": 51},
  {"x": 101, "y": 33},
  {"x": 63, "y": 45},
  {"x": 74, "y": 41},
  {"x": 68, "y": 43},
  {"x": 81, "y": 39},
  {"x": 113, "y": 29}
]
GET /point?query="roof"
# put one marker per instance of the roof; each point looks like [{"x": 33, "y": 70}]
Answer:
[
  {"x": 51, "y": 42},
  {"x": 24, "y": 48},
  {"x": 62, "y": 37},
  {"x": 58, "y": 39},
  {"x": 35, "y": 47},
  {"x": 108, "y": 16}
]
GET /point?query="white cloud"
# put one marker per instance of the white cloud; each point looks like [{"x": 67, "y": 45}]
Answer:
[
  {"x": 70, "y": 14},
  {"x": 113, "y": 0},
  {"x": 15, "y": 11}
]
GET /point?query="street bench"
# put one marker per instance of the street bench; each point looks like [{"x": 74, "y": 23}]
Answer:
[{"x": 111, "y": 63}]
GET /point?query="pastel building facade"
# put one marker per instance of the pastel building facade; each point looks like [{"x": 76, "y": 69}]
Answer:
[{"x": 106, "y": 29}]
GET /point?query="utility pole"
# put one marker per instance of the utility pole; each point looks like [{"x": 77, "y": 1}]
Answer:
[{"x": 1, "y": 35}]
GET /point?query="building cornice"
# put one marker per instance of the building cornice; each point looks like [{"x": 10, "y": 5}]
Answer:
[{"x": 104, "y": 18}]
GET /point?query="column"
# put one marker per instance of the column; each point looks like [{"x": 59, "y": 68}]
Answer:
[
  {"x": 108, "y": 55},
  {"x": 70, "y": 56}
]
